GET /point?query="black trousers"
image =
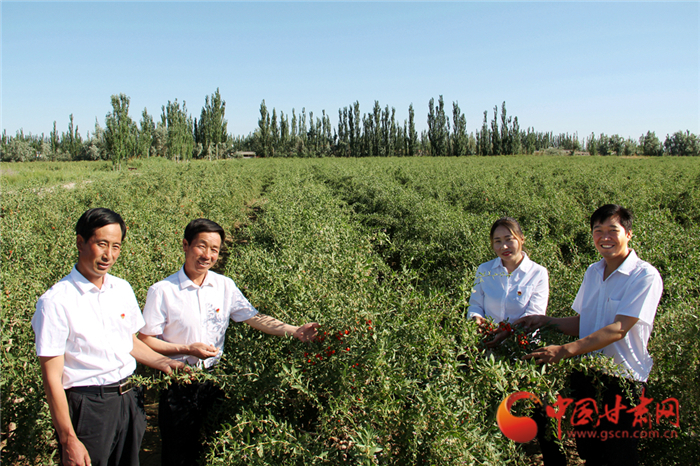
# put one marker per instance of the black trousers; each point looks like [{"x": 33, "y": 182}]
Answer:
[
  {"x": 110, "y": 425},
  {"x": 552, "y": 455},
  {"x": 609, "y": 443},
  {"x": 613, "y": 443},
  {"x": 182, "y": 410}
]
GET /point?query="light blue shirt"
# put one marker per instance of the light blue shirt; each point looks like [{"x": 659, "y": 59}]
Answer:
[{"x": 503, "y": 296}]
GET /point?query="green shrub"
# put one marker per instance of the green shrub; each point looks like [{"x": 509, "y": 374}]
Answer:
[{"x": 381, "y": 252}]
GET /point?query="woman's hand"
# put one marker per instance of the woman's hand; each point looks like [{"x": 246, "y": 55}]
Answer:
[
  {"x": 498, "y": 338},
  {"x": 530, "y": 323},
  {"x": 307, "y": 332}
]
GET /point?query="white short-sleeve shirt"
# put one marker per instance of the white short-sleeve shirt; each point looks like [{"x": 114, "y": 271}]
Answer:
[
  {"x": 179, "y": 311},
  {"x": 633, "y": 289},
  {"x": 91, "y": 327},
  {"x": 500, "y": 295}
]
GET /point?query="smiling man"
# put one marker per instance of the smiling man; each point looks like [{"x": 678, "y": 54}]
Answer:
[
  {"x": 85, "y": 329},
  {"x": 616, "y": 306},
  {"x": 186, "y": 317}
]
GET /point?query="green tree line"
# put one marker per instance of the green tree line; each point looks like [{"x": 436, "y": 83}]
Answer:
[{"x": 378, "y": 133}]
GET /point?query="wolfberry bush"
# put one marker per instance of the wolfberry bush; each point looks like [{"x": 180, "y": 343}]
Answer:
[{"x": 382, "y": 253}]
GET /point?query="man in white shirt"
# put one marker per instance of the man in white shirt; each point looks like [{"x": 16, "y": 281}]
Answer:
[
  {"x": 85, "y": 329},
  {"x": 186, "y": 317},
  {"x": 616, "y": 306}
]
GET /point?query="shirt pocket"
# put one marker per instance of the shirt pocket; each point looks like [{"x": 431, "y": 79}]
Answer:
[
  {"x": 121, "y": 324},
  {"x": 521, "y": 294},
  {"x": 612, "y": 307}
]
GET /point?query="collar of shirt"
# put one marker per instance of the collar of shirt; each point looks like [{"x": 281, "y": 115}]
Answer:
[
  {"x": 625, "y": 268},
  {"x": 84, "y": 285},
  {"x": 185, "y": 281},
  {"x": 524, "y": 266}
]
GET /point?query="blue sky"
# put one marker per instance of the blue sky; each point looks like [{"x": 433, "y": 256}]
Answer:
[{"x": 617, "y": 68}]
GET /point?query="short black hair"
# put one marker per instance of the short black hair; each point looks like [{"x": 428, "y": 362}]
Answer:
[
  {"x": 203, "y": 225},
  {"x": 95, "y": 218},
  {"x": 607, "y": 211}
]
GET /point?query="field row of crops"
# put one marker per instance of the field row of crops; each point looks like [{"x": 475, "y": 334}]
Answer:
[{"x": 381, "y": 252}]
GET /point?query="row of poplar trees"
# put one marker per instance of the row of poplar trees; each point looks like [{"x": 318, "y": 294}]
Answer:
[
  {"x": 374, "y": 134},
  {"x": 176, "y": 135},
  {"x": 379, "y": 134}
]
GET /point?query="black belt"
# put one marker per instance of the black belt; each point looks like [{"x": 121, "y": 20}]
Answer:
[{"x": 121, "y": 387}]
